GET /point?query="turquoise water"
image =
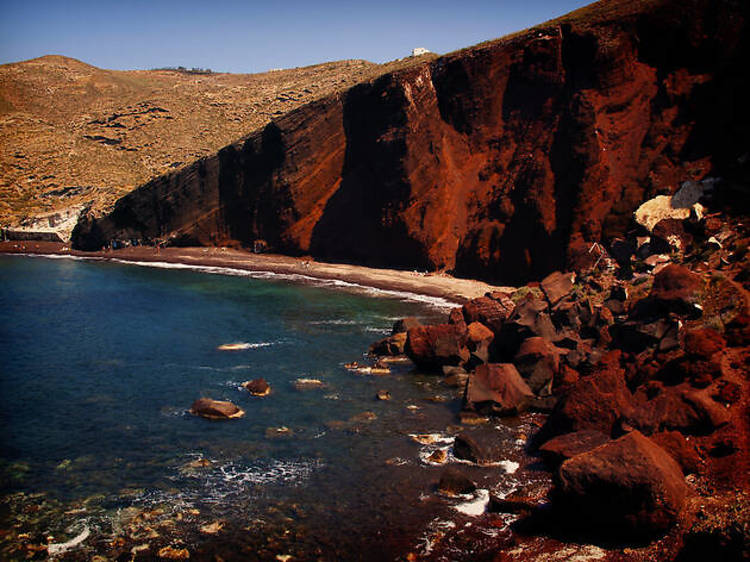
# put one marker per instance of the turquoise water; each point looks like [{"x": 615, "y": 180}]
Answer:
[{"x": 100, "y": 362}]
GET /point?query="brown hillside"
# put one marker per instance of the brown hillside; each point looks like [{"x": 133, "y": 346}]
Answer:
[{"x": 72, "y": 133}]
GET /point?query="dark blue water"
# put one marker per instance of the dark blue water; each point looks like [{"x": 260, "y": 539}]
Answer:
[{"x": 100, "y": 361}]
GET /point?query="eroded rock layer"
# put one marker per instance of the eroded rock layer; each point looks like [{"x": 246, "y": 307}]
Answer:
[{"x": 504, "y": 161}]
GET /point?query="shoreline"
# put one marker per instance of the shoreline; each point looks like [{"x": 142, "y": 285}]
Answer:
[{"x": 454, "y": 290}]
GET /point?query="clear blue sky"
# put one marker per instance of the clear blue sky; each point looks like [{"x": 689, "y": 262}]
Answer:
[{"x": 253, "y": 36}]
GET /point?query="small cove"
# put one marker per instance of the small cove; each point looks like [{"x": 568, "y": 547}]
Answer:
[{"x": 100, "y": 362}]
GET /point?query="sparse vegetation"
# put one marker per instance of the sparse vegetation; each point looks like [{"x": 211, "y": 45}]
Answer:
[
  {"x": 184, "y": 70},
  {"x": 71, "y": 124}
]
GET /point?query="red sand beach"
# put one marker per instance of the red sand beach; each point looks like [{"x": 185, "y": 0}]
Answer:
[{"x": 434, "y": 285}]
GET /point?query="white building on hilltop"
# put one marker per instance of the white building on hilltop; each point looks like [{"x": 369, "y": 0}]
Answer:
[{"x": 417, "y": 51}]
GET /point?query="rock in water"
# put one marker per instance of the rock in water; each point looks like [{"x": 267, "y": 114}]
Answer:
[
  {"x": 630, "y": 487},
  {"x": 383, "y": 395},
  {"x": 392, "y": 345},
  {"x": 454, "y": 482},
  {"x": 431, "y": 347},
  {"x": 308, "y": 384},
  {"x": 215, "y": 409},
  {"x": 482, "y": 446},
  {"x": 257, "y": 387}
]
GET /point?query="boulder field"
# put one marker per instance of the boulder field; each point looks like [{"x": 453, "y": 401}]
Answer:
[
  {"x": 505, "y": 161},
  {"x": 641, "y": 366}
]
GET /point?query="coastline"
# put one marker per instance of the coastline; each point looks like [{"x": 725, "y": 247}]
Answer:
[{"x": 435, "y": 285}]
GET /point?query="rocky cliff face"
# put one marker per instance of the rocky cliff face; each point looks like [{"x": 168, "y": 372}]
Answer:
[{"x": 503, "y": 161}]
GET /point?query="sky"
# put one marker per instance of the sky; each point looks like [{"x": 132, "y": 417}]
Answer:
[{"x": 252, "y": 36}]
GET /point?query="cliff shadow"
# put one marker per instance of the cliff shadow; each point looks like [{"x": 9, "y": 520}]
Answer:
[{"x": 360, "y": 222}]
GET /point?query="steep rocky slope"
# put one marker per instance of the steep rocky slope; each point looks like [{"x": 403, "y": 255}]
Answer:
[
  {"x": 503, "y": 161},
  {"x": 76, "y": 134}
]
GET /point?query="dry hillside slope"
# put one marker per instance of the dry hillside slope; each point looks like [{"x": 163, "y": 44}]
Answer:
[{"x": 76, "y": 134}]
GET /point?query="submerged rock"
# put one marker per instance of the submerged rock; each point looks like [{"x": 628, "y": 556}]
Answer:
[
  {"x": 453, "y": 482},
  {"x": 481, "y": 446},
  {"x": 212, "y": 528},
  {"x": 308, "y": 384},
  {"x": 215, "y": 409},
  {"x": 276, "y": 432},
  {"x": 438, "y": 457}
]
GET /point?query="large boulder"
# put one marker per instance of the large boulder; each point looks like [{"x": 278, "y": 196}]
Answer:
[
  {"x": 431, "y": 347},
  {"x": 490, "y": 312},
  {"x": 680, "y": 408},
  {"x": 600, "y": 401},
  {"x": 497, "y": 388},
  {"x": 538, "y": 361},
  {"x": 215, "y": 409},
  {"x": 630, "y": 487},
  {"x": 676, "y": 289}
]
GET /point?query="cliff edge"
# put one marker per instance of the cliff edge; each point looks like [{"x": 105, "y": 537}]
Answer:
[{"x": 503, "y": 162}]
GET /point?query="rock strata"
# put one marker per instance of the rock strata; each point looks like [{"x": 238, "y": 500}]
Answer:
[{"x": 505, "y": 162}]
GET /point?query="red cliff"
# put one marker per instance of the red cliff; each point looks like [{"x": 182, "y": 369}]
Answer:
[{"x": 503, "y": 161}]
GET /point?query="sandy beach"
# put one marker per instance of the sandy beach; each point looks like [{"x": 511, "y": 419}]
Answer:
[{"x": 430, "y": 284}]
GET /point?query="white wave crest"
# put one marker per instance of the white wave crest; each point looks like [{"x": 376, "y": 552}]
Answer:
[{"x": 241, "y": 346}]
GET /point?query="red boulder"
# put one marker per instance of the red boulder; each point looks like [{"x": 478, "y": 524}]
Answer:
[
  {"x": 630, "y": 486},
  {"x": 497, "y": 388},
  {"x": 431, "y": 347}
]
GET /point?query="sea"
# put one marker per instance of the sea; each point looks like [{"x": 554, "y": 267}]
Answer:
[{"x": 100, "y": 362}]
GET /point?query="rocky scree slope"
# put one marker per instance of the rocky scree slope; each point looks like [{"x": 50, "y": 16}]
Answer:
[
  {"x": 641, "y": 362},
  {"x": 503, "y": 161}
]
